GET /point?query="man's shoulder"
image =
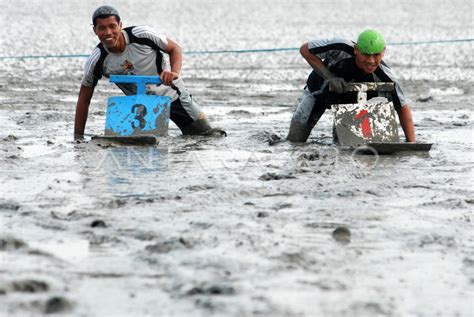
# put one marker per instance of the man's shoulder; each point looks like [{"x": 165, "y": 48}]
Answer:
[
  {"x": 96, "y": 54},
  {"x": 141, "y": 30},
  {"x": 145, "y": 35},
  {"x": 335, "y": 43},
  {"x": 386, "y": 72}
]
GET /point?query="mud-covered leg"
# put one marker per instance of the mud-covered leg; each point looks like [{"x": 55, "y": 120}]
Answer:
[
  {"x": 198, "y": 127},
  {"x": 187, "y": 114},
  {"x": 305, "y": 117},
  {"x": 298, "y": 132}
]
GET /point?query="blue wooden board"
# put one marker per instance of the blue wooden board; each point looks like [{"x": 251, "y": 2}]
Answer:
[{"x": 137, "y": 115}]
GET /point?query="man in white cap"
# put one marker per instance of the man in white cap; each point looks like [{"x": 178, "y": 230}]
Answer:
[{"x": 138, "y": 50}]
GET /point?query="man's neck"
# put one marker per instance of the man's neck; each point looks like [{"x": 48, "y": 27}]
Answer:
[{"x": 120, "y": 47}]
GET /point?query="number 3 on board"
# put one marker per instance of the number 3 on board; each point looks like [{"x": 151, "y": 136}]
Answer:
[{"x": 140, "y": 113}]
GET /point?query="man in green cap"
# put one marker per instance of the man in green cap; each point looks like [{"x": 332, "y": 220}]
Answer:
[{"x": 336, "y": 62}]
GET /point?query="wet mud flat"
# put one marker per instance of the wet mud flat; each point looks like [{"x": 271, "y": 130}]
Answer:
[
  {"x": 243, "y": 225},
  {"x": 246, "y": 225}
]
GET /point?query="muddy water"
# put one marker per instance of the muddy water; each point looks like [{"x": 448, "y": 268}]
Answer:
[{"x": 244, "y": 225}]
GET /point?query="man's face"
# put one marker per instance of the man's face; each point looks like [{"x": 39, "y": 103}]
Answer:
[
  {"x": 368, "y": 62},
  {"x": 109, "y": 31}
]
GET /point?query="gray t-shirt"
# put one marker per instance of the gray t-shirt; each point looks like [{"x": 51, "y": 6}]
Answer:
[{"x": 136, "y": 59}]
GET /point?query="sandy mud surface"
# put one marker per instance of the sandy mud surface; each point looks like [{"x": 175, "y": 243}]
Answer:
[{"x": 246, "y": 225}]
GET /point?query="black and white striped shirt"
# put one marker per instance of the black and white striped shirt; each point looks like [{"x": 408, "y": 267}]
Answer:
[{"x": 339, "y": 57}]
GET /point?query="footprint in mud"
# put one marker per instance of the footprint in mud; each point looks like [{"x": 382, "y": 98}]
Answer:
[
  {"x": 144, "y": 235},
  {"x": 10, "y": 138},
  {"x": 241, "y": 113},
  {"x": 139, "y": 201},
  {"x": 213, "y": 289},
  {"x": 169, "y": 245},
  {"x": 469, "y": 262},
  {"x": 201, "y": 225},
  {"x": 269, "y": 137},
  {"x": 115, "y": 203},
  {"x": 274, "y": 139},
  {"x": 198, "y": 187},
  {"x": 11, "y": 243},
  {"x": 425, "y": 98},
  {"x": 274, "y": 176},
  {"x": 322, "y": 225},
  {"x": 9, "y": 206},
  {"x": 370, "y": 309},
  {"x": 469, "y": 201},
  {"x": 309, "y": 156},
  {"x": 281, "y": 206},
  {"x": 437, "y": 240},
  {"x": 342, "y": 235},
  {"x": 29, "y": 286},
  {"x": 327, "y": 284},
  {"x": 294, "y": 260},
  {"x": 98, "y": 224},
  {"x": 451, "y": 203}
]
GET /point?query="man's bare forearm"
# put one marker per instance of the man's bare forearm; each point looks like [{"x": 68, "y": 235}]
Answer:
[
  {"x": 82, "y": 110},
  {"x": 406, "y": 121},
  {"x": 315, "y": 62}
]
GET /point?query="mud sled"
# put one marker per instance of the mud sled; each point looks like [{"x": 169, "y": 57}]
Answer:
[
  {"x": 136, "y": 119},
  {"x": 370, "y": 126}
]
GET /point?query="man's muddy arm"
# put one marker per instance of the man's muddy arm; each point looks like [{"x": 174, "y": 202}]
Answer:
[
  {"x": 82, "y": 110},
  {"x": 176, "y": 59},
  {"x": 336, "y": 84},
  {"x": 406, "y": 121},
  {"x": 315, "y": 62}
]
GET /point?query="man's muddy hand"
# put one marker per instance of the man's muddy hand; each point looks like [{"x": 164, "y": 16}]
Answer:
[{"x": 167, "y": 77}]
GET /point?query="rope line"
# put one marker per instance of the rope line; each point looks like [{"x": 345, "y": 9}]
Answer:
[{"x": 237, "y": 51}]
